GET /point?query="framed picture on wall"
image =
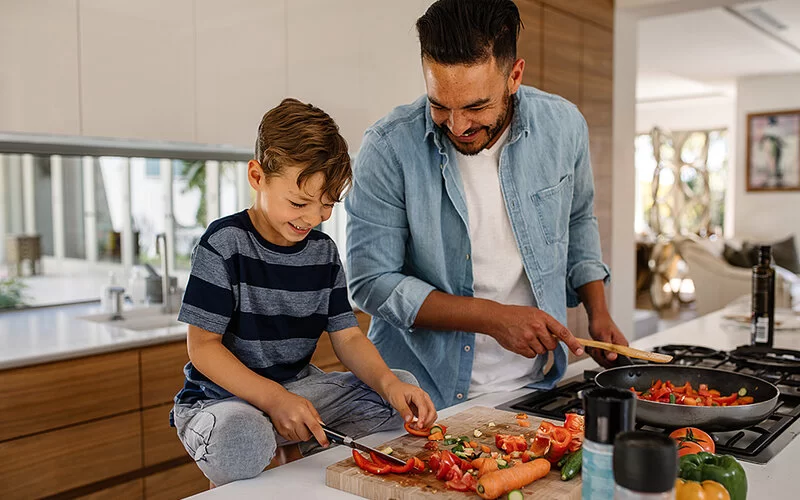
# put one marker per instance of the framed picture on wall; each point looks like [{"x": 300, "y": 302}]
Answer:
[{"x": 773, "y": 151}]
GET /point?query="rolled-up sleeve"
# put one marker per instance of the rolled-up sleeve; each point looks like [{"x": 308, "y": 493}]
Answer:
[
  {"x": 377, "y": 233},
  {"x": 584, "y": 257}
]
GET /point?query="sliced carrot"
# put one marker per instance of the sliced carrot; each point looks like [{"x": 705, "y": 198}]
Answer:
[
  {"x": 523, "y": 423},
  {"x": 473, "y": 444},
  {"x": 499, "y": 482},
  {"x": 485, "y": 449},
  {"x": 436, "y": 436}
]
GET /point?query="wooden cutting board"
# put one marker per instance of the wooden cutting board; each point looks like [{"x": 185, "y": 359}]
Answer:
[{"x": 347, "y": 476}]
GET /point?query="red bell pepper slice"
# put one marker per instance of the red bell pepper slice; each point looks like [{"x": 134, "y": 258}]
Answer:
[
  {"x": 575, "y": 423},
  {"x": 370, "y": 466},
  {"x": 559, "y": 441},
  {"x": 726, "y": 400},
  {"x": 416, "y": 432},
  {"x": 540, "y": 445},
  {"x": 509, "y": 443},
  {"x": 419, "y": 465},
  {"x": 397, "y": 469}
]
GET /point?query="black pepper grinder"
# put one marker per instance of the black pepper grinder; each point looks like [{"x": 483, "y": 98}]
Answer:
[
  {"x": 645, "y": 466},
  {"x": 609, "y": 411}
]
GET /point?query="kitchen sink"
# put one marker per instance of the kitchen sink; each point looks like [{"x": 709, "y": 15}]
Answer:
[{"x": 146, "y": 318}]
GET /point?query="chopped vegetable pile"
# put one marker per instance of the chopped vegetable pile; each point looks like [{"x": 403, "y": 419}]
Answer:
[{"x": 667, "y": 392}]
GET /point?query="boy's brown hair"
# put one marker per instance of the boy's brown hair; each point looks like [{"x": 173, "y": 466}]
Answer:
[{"x": 298, "y": 134}]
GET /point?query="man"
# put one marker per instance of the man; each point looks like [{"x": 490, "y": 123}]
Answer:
[{"x": 470, "y": 225}]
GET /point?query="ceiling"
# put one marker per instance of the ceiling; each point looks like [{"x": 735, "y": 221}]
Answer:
[{"x": 701, "y": 53}]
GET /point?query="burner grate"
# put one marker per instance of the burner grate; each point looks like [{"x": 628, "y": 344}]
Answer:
[{"x": 755, "y": 444}]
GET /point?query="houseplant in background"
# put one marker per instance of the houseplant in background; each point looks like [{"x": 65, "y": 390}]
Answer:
[{"x": 12, "y": 293}]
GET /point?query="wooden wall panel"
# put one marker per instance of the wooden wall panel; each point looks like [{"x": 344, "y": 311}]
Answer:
[
  {"x": 55, "y": 461},
  {"x": 530, "y": 44},
  {"x": 561, "y": 62},
  {"x": 162, "y": 372},
  {"x": 43, "y": 397},
  {"x": 595, "y": 11}
]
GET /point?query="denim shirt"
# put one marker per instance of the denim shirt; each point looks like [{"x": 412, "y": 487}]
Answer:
[{"x": 408, "y": 231}]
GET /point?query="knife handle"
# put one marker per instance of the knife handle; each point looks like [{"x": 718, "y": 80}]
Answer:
[{"x": 334, "y": 436}]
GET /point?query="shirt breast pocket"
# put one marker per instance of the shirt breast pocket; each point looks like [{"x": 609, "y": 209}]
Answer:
[{"x": 553, "y": 208}]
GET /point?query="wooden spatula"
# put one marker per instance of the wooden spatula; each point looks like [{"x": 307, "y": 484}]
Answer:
[{"x": 627, "y": 351}]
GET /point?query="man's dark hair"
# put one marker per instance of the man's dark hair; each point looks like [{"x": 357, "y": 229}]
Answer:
[{"x": 470, "y": 32}]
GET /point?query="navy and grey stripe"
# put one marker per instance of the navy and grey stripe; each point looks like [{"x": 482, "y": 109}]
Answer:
[{"x": 270, "y": 303}]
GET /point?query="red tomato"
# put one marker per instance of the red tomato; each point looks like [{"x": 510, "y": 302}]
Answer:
[
  {"x": 689, "y": 448},
  {"x": 693, "y": 435}
]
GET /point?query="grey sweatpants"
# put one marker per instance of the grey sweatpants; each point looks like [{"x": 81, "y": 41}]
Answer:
[{"x": 230, "y": 439}]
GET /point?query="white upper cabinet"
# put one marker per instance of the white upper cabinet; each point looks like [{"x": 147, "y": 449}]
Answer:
[
  {"x": 241, "y": 67},
  {"x": 39, "y": 66},
  {"x": 137, "y": 69},
  {"x": 356, "y": 59}
]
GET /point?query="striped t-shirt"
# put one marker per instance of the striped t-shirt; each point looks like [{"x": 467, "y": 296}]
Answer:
[{"x": 270, "y": 303}]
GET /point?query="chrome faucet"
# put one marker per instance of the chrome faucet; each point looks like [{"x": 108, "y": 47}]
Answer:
[{"x": 166, "y": 289}]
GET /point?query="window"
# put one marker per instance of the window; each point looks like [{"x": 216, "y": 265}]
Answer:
[{"x": 680, "y": 182}]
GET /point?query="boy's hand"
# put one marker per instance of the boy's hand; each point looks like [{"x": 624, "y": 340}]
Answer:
[
  {"x": 411, "y": 401},
  {"x": 296, "y": 419}
]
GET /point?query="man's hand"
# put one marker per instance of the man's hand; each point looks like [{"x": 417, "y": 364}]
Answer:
[
  {"x": 411, "y": 401},
  {"x": 296, "y": 419},
  {"x": 603, "y": 328},
  {"x": 529, "y": 331}
]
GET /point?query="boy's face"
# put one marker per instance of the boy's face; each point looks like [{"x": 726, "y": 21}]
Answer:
[
  {"x": 471, "y": 104},
  {"x": 284, "y": 213}
]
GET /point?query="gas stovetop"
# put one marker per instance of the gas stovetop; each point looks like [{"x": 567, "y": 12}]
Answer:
[{"x": 757, "y": 444}]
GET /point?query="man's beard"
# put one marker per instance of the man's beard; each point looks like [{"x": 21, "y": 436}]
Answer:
[{"x": 492, "y": 131}]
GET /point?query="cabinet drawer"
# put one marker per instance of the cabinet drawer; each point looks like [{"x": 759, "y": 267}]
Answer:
[
  {"x": 162, "y": 372},
  {"x": 179, "y": 482},
  {"x": 51, "y": 462},
  {"x": 161, "y": 441},
  {"x": 132, "y": 490},
  {"x": 43, "y": 397}
]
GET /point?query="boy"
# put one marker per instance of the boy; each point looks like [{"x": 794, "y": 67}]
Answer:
[{"x": 263, "y": 286}]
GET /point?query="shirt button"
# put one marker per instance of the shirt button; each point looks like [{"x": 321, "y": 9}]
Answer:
[
  {"x": 459, "y": 396},
  {"x": 466, "y": 348},
  {"x": 467, "y": 256}
]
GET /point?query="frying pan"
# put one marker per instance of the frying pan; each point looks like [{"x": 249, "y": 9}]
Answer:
[{"x": 708, "y": 418}]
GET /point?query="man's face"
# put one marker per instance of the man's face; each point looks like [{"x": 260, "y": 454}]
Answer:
[{"x": 472, "y": 104}]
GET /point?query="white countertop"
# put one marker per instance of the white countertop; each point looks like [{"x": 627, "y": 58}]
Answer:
[
  {"x": 305, "y": 478},
  {"x": 41, "y": 335}
]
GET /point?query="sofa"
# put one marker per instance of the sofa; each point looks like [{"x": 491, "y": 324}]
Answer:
[{"x": 717, "y": 282}]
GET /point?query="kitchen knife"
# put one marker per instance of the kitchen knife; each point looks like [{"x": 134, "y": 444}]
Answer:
[{"x": 339, "y": 438}]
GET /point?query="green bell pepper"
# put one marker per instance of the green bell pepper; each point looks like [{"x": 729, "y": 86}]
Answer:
[{"x": 723, "y": 469}]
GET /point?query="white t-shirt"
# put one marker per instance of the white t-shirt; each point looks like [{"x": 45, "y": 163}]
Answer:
[{"x": 496, "y": 268}]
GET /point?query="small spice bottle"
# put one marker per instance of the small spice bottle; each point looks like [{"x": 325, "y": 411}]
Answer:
[
  {"x": 645, "y": 466},
  {"x": 608, "y": 412}
]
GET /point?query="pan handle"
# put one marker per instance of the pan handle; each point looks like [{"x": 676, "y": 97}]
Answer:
[{"x": 623, "y": 360}]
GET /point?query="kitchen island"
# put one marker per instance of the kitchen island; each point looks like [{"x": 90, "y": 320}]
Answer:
[{"x": 305, "y": 478}]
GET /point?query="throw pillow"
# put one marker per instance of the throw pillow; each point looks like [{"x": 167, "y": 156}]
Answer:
[
  {"x": 784, "y": 253},
  {"x": 742, "y": 257}
]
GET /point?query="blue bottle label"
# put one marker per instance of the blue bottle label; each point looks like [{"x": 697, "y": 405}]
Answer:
[{"x": 598, "y": 471}]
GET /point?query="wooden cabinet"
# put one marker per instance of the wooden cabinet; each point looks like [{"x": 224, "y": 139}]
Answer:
[
  {"x": 96, "y": 427},
  {"x": 179, "y": 482},
  {"x": 162, "y": 372},
  {"x": 42, "y": 397},
  {"x": 159, "y": 440},
  {"x": 51, "y": 462}
]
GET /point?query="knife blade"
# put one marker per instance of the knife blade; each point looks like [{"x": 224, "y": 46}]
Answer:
[{"x": 339, "y": 438}]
